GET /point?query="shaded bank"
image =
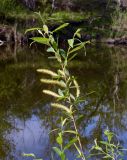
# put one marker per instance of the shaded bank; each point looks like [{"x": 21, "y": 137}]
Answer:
[{"x": 98, "y": 19}]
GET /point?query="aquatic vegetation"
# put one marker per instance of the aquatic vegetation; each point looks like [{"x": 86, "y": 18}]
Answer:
[{"x": 108, "y": 149}]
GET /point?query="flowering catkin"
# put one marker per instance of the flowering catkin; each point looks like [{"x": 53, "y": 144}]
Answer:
[
  {"x": 60, "y": 106},
  {"x": 77, "y": 88},
  {"x": 51, "y": 93},
  {"x": 49, "y": 81},
  {"x": 49, "y": 72}
]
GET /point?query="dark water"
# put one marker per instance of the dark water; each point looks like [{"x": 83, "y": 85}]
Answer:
[{"x": 25, "y": 113}]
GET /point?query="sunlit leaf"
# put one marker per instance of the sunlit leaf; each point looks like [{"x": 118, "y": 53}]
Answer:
[
  {"x": 77, "y": 31},
  {"x": 33, "y": 29},
  {"x": 71, "y": 42},
  {"x": 60, "y": 92},
  {"x": 59, "y": 140},
  {"x": 50, "y": 49},
  {"x": 45, "y": 28},
  {"x": 28, "y": 155},
  {"x": 41, "y": 40},
  {"x": 77, "y": 48},
  {"x": 57, "y": 54},
  {"x": 61, "y": 27},
  {"x": 63, "y": 122}
]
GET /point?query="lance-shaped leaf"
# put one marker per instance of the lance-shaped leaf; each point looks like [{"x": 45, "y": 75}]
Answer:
[
  {"x": 61, "y": 27},
  {"x": 33, "y": 29},
  {"x": 41, "y": 40},
  {"x": 77, "y": 48},
  {"x": 28, "y": 155}
]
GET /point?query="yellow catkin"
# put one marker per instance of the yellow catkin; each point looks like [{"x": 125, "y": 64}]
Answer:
[
  {"x": 49, "y": 72},
  {"x": 49, "y": 81},
  {"x": 51, "y": 93},
  {"x": 60, "y": 106},
  {"x": 77, "y": 88}
]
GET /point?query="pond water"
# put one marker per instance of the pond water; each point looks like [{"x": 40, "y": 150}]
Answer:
[{"x": 25, "y": 113}]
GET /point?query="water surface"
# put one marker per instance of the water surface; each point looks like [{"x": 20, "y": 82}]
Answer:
[{"x": 26, "y": 115}]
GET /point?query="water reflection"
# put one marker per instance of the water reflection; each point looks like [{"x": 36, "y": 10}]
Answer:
[
  {"x": 31, "y": 137},
  {"x": 25, "y": 113}
]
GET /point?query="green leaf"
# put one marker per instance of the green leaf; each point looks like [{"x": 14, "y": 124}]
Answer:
[
  {"x": 52, "y": 57},
  {"x": 59, "y": 140},
  {"x": 72, "y": 57},
  {"x": 45, "y": 28},
  {"x": 57, "y": 54},
  {"x": 77, "y": 32},
  {"x": 62, "y": 156},
  {"x": 107, "y": 156},
  {"x": 77, "y": 48},
  {"x": 60, "y": 92},
  {"x": 70, "y": 143},
  {"x": 41, "y": 40},
  {"x": 63, "y": 122},
  {"x": 55, "y": 45},
  {"x": 71, "y": 95},
  {"x": 57, "y": 150},
  {"x": 79, "y": 151},
  {"x": 33, "y": 29},
  {"x": 78, "y": 35},
  {"x": 70, "y": 131},
  {"x": 71, "y": 42},
  {"x": 61, "y": 27},
  {"x": 98, "y": 148},
  {"x": 105, "y": 143},
  {"x": 109, "y": 135},
  {"x": 28, "y": 155},
  {"x": 50, "y": 49},
  {"x": 66, "y": 72},
  {"x": 62, "y": 53}
]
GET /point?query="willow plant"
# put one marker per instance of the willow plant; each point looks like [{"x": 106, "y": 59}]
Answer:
[
  {"x": 108, "y": 149},
  {"x": 68, "y": 94}
]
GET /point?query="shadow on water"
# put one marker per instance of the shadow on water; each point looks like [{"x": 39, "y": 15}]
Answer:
[{"x": 25, "y": 113}]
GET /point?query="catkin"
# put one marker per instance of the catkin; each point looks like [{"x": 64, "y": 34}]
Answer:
[
  {"x": 51, "y": 93},
  {"x": 77, "y": 88},
  {"x": 60, "y": 106},
  {"x": 49, "y": 81},
  {"x": 49, "y": 72}
]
